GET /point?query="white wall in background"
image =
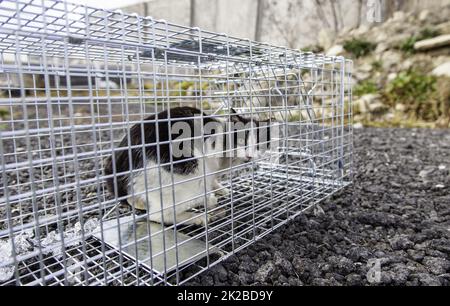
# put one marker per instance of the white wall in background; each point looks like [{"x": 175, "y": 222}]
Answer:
[{"x": 293, "y": 23}]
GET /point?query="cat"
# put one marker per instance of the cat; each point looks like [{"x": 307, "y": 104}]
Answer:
[{"x": 149, "y": 186}]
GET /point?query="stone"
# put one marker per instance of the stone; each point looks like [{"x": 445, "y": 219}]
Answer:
[
  {"x": 358, "y": 125},
  {"x": 366, "y": 67},
  {"x": 399, "y": 16},
  {"x": 265, "y": 272},
  {"x": 381, "y": 47},
  {"x": 423, "y": 15},
  {"x": 443, "y": 27},
  {"x": 406, "y": 64},
  {"x": 318, "y": 211},
  {"x": 442, "y": 70},
  {"x": 428, "y": 280},
  {"x": 381, "y": 37},
  {"x": 391, "y": 76},
  {"x": 325, "y": 39},
  {"x": 365, "y": 103},
  {"x": 354, "y": 280},
  {"x": 433, "y": 43},
  {"x": 221, "y": 272},
  {"x": 377, "y": 107},
  {"x": 400, "y": 107},
  {"x": 390, "y": 59},
  {"x": 436, "y": 265},
  {"x": 245, "y": 278},
  {"x": 401, "y": 242},
  {"x": 336, "y": 50},
  {"x": 281, "y": 262},
  {"x": 426, "y": 172}
]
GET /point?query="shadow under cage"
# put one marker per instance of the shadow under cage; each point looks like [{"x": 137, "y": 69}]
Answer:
[{"x": 90, "y": 99}]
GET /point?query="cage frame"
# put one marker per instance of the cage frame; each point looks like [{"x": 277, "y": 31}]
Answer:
[{"x": 52, "y": 42}]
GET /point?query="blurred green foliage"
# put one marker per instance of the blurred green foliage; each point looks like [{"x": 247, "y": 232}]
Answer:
[
  {"x": 365, "y": 87},
  {"x": 4, "y": 113},
  {"x": 313, "y": 48},
  {"x": 377, "y": 65},
  {"x": 408, "y": 45},
  {"x": 359, "y": 47},
  {"x": 417, "y": 91}
]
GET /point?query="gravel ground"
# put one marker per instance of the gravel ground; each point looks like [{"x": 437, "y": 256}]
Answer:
[{"x": 391, "y": 228}]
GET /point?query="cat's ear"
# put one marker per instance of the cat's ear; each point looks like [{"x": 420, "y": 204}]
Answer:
[{"x": 235, "y": 117}]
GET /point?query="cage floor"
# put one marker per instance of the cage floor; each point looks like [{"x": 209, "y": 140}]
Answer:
[{"x": 260, "y": 200}]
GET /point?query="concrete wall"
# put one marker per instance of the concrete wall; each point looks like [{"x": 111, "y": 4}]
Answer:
[{"x": 293, "y": 23}]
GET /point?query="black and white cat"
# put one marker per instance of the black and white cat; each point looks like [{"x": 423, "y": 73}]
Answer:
[{"x": 163, "y": 177}]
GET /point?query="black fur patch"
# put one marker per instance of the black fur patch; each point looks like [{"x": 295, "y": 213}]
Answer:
[{"x": 181, "y": 165}]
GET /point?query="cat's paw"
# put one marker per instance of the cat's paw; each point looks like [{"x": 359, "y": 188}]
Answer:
[
  {"x": 202, "y": 219},
  {"x": 138, "y": 203},
  {"x": 212, "y": 201},
  {"x": 223, "y": 191},
  {"x": 218, "y": 213}
]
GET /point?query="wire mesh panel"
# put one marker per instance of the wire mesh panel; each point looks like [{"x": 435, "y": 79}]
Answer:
[{"x": 139, "y": 152}]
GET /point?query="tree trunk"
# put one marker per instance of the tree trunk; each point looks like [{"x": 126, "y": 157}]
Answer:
[
  {"x": 360, "y": 6},
  {"x": 335, "y": 17},
  {"x": 259, "y": 18},
  {"x": 192, "y": 16}
]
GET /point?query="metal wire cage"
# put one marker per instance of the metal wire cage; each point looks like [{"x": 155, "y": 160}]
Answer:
[{"x": 75, "y": 80}]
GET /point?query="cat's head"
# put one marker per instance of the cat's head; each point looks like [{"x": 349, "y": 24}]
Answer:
[{"x": 251, "y": 137}]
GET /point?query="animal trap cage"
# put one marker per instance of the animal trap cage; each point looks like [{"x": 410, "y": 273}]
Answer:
[{"x": 75, "y": 80}]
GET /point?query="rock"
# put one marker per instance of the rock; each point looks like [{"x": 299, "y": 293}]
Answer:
[
  {"x": 381, "y": 47},
  {"x": 443, "y": 27},
  {"x": 264, "y": 272},
  {"x": 391, "y": 76},
  {"x": 366, "y": 67},
  {"x": 390, "y": 59},
  {"x": 363, "y": 29},
  {"x": 336, "y": 50},
  {"x": 354, "y": 280},
  {"x": 406, "y": 64},
  {"x": 358, "y": 125},
  {"x": 401, "y": 242},
  {"x": 432, "y": 43},
  {"x": 442, "y": 70},
  {"x": 301, "y": 265},
  {"x": 426, "y": 172},
  {"x": 399, "y": 16},
  {"x": 365, "y": 103},
  {"x": 400, "y": 107},
  {"x": 325, "y": 39},
  {"x": 423, "y": 15},
  {"x": 399, "y": 274},
  {"x": 245, "y": 278},
  {"x": 416, "y": 255},
  {"x": 295, "y": 281},
  {"x": 389, "y": 116},
  {"x": 428, "y": 280},
  {"x": 345, "y": 266},
  {"x": 377, "y": 107},
  {"x": 221, "y": 272},
  {"x": 318, "y": 211},
  {"x": 281, "y": 262},
  {"x": 381, "y": 37},
  {"x": 436, "y": 265}
]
